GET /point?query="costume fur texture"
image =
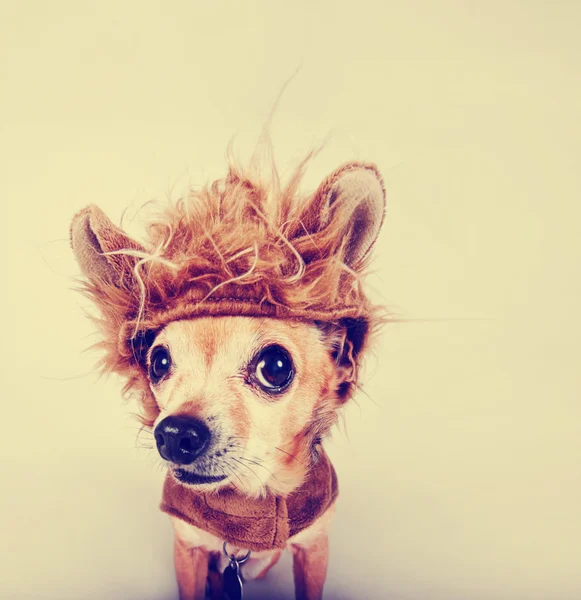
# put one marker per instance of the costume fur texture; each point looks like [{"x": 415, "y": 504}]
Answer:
[
  {"x": 264, "y": 524},
  {"x": 245, "y": 246}
]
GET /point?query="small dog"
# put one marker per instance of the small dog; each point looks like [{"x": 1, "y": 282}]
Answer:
[{"x": 241, "y": 323}]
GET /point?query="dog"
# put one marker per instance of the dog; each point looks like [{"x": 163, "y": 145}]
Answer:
[{"x": 241, "y": 323}]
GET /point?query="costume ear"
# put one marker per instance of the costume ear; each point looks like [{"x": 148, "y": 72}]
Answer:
[
  {"x": 352, "y": 204},
  {"x": 93, "y": 236}
]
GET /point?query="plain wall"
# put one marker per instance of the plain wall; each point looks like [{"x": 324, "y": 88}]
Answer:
[{"x": 461, "y": 472}]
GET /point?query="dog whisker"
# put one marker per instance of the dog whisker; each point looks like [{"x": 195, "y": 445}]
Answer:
[
  {"x": 275, "y": 447},
  {"x": 229, "y": 474},
  {"x": 260, "y": 465},
  {"x": 262, "y": 486},
  {"x": 247, "y": 467},
  {"x": 289, "y": 454},
  {"x": 140, "y": 443},
  {"x": 234, "y": 473},
  {"x": 246, "y": 456}
]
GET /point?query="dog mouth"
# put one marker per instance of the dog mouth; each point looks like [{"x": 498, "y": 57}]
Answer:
[{"x": 191, "y": 478}]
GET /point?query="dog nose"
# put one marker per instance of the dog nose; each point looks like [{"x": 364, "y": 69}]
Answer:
[{"x": 181, "y": 439}]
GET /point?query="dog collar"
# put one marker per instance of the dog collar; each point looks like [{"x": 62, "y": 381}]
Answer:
[{"x": 254, "y": 523}]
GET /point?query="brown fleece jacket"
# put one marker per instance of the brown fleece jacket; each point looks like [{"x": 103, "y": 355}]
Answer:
[{"x": 249, "y": 523}]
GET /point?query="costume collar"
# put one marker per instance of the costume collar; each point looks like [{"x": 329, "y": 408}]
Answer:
[{"x": 254, "y": 523}]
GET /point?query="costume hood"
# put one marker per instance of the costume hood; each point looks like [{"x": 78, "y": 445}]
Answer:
[{"x": 239, "y": 246}]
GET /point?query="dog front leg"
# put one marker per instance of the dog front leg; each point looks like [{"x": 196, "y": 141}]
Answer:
[
  {"x": 191, "y": 566},
  {"x": 215, "y": 577},
  {"x": 310, "y": 567}
]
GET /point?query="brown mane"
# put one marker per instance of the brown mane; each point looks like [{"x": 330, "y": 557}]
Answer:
[{"x": 245, "y": 245}]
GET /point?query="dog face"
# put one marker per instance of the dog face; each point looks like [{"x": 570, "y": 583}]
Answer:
[
  {"x": 242, "y": 400},
  {"x": 231, "y": 399}
]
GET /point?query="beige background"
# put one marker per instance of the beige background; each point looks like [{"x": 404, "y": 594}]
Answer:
[{"x": 461, "y": 475}]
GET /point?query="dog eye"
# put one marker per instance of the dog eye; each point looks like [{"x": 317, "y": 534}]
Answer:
[
  {"x": 159, "y": 364},
  {"x": 274, "y": 369}
]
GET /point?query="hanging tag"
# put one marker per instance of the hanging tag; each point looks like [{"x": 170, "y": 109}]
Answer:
[{"x": 231, "y": 579}]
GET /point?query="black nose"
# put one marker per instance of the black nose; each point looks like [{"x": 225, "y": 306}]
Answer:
[{"x": 181, "y": 439}]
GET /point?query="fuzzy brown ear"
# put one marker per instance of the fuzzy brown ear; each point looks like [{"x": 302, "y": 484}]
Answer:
[
  {"x": 352, "y": 204},
  {"x": 93, "y": 236}
]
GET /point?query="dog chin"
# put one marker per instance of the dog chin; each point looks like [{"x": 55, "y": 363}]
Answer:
[{"x": 195, "y": 479}]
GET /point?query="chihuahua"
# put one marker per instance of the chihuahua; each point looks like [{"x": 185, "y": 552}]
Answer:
[{"x": 241, "y": 323}]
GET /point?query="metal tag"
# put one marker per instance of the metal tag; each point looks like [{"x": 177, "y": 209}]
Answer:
[{"x": 232, "y": 581}]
